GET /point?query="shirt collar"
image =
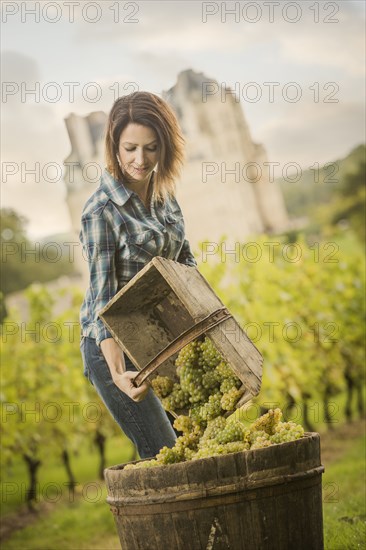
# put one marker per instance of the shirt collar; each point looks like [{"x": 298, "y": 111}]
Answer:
[{"x": 115, "y": 190}]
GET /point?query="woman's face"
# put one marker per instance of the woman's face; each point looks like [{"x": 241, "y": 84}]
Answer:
[{"x": 138, "y": 152}]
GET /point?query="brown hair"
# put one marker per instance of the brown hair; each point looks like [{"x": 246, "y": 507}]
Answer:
[{"x": 149, "y": 110}]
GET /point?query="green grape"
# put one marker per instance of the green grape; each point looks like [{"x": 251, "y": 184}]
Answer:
[
  {"x": 191, "y": 382},
  {"x": 268, "y": 421},
  {"x": 228, "y": 383},
  {"x": 129, "y": 466},
  {"x": 178, "y": 453},
  {"x": 144, "y": 464},
  {"x": 189, "y": 441},
  {"x": 233, "y": 431},
  {"x": 224, "y": 371},
  {"x": 260, "y": 443},
  {"x": 213, "y": 428},
  {"x": 211, "y": 448},
  {"x": 287, "y": 431},
  {"x": 190, "y": 377},
  {"x": 198, "y": 394},
  {"x": 230, "y": 399},
  {"x": 162, "y": 386},
  {"x": 210, "y": 380},
  {"x": 212, "y": 408},
  {"x": 166, "y": 455},
  {"x": 255, "y": 435},
  {"x": 194, "y": 413},
  {"x": 183, "y": 424},
  {"x": 215, "y": 449},
  {"x": 247, "y": 436},
  {"x": 189, "y": 453},
  {"x": 177, "y": 399},
  {"x": 235, "y": 447},
  {"x": 210, "y": 356},
  {"x": 189, "y": 355}
]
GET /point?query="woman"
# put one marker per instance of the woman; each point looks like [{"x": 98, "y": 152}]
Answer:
[{"x": 131, "y": 217}]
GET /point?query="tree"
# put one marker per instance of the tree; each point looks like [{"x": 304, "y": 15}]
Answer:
[
  {"x": 302, "y": 305},
  {"x": 24, "y": 262},
  {"x": 352, "y": 202},
  {"x": 39, "y": 381},
  {"x": 14, "y": 240},
  {"x": 49, "y": 408}
]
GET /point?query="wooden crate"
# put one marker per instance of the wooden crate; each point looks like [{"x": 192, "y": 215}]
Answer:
[{"x": 164, "y": 300}]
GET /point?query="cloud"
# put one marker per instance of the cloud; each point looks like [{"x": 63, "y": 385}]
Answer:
[
  {"x": 308, "y": 133},
  {"x": 340, "y": 49},
  {"x": 34, "y": 134},
  {"x": 17, "y": 67},
  {"x": 165, "y": 27}
]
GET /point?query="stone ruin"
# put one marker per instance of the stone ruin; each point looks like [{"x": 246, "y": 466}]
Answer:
[{"x": 224, "y": 189}]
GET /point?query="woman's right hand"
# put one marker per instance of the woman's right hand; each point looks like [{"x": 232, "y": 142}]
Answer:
[{"x": 125, "y": 383}]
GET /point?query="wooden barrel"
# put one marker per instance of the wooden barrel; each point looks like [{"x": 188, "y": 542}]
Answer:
[{"x": 265, "y": 499}]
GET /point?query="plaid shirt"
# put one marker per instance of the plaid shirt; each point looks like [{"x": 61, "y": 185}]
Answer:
[{"x": 119, "y": 237}]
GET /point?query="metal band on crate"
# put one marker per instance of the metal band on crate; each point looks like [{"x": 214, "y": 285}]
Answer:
[{"x": 182, "y": 340}]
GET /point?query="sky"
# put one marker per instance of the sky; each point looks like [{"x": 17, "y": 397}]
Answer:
[{"x": 316, "y": 49}]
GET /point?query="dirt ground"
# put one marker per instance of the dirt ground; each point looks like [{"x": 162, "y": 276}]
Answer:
[{"x": 23, "y": 516}]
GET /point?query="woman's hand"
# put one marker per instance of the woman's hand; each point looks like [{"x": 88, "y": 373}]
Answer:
[
  {"x": 122, "y": 378},
  {"x": 125, "y": 383}
]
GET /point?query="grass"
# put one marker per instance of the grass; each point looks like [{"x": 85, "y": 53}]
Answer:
[
  {"x": 52, "y": 477},
  {"x": 79, "y": 525},
  {"x": 86, "y": 525},
  {"x": 344, "y": 503}
]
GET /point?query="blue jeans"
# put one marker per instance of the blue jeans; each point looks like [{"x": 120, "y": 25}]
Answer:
[{"x": 145, "y": 423}]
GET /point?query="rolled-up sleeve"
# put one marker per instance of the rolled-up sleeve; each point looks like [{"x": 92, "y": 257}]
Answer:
[{"x": 99, "y": 249}]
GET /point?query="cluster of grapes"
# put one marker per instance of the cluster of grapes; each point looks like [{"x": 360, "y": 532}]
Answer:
[
  {"x": 162, "y": 386},
  {"x": 177, "y": 399},
  {"x": 206, "y": 383},
  {"x": 209, "y": 388},
  {"x": 230, "y": 399},
  {"x": 191, "y": 372},
  {"x": 233, "y": 431},
  {"x": 214, "y": 449},
  {"x": 259, "y": 439},
  {"x": 214, "y": 427},
  {"x": 229, "y": 383},
  {"x": 269, "y": 430},
  {"x": 286, "y": 431},
  {"x": 268, "y": 421},
  {"x": 212, "y": 408},
  {"x": 224, "y": 435},
  {"x": 143, "y": 464}
]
